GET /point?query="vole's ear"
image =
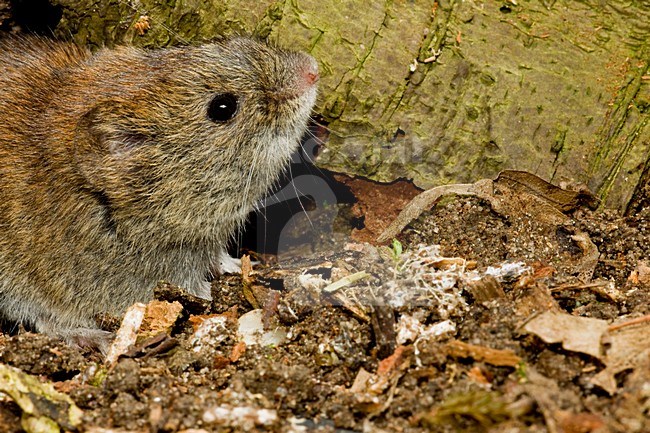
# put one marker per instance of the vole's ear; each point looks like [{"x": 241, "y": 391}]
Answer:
[{"x": 102, "y": 139}]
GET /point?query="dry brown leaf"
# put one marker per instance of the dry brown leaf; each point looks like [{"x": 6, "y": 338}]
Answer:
[
  {"x": 388, "y": 370},
  {"x": 628, "y": 348},
  {"x": 237, "y": 351},
  {"x": 640, "y": 274},
  {"x": 477, "y": 375},
  {"x": 514, "y": 193},
  {"x": 399, "y": 360},
  {"x": 159, "y": 317},
  {"x": 362, "y": 381},
  {"x": 246, "y": 268},
  {"x": 532, "y": 296},
  {"x": 577, "y": 334},
  {"x": 230, "y": 315},
  {"x": 562, "y": 199},
  {"x": 627, "y": 345}
]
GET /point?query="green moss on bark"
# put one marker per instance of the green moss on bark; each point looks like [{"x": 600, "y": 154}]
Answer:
[{"x": 443, "y": 91}]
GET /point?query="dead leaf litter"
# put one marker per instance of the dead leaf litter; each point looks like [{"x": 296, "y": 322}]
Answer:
[{"x": 509, "y": 306}]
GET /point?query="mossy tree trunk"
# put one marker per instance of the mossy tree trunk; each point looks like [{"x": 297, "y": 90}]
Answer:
[{"x": 446, "y": 91}]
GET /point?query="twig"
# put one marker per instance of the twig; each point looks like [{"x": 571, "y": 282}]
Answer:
[{"x": 617, "y": 326}]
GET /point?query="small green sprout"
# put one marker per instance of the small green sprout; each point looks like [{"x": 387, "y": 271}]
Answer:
[
  {"x": 397, "y": 249},
  {"x": 522, "y": 372}
]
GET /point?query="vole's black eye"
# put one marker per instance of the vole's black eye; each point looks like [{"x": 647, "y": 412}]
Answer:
[{"x": 223, "y": 107}]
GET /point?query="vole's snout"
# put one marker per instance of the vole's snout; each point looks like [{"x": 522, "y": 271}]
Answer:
[{"x": 301, "y": 76}]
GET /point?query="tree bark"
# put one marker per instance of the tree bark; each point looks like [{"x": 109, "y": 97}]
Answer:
[{"x": 447, "y": 91}]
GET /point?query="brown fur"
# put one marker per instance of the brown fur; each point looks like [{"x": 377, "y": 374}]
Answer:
[{"x": 112, "y": 176}]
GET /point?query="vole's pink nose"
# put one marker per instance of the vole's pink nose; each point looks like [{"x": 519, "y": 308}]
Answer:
[
  {"x": 312, "y": 77},
  {"x": 309, "y": 71}
]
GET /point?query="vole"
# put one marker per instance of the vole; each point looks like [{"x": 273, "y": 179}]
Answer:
[{"x": 129, "y": 166}]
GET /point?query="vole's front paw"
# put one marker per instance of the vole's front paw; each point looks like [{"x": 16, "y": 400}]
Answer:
[
  {"x": 227, "y": 264},
  {"x": 230, "y": 265}
]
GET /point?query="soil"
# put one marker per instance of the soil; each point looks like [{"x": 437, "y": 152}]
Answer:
[{"x": 347, "y": 362}]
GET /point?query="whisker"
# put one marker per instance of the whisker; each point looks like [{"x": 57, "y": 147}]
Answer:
[{"x": 298, "y": 195}]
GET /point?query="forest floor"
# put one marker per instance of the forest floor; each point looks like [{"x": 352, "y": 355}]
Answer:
[{"x": 484, "y": 317}]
